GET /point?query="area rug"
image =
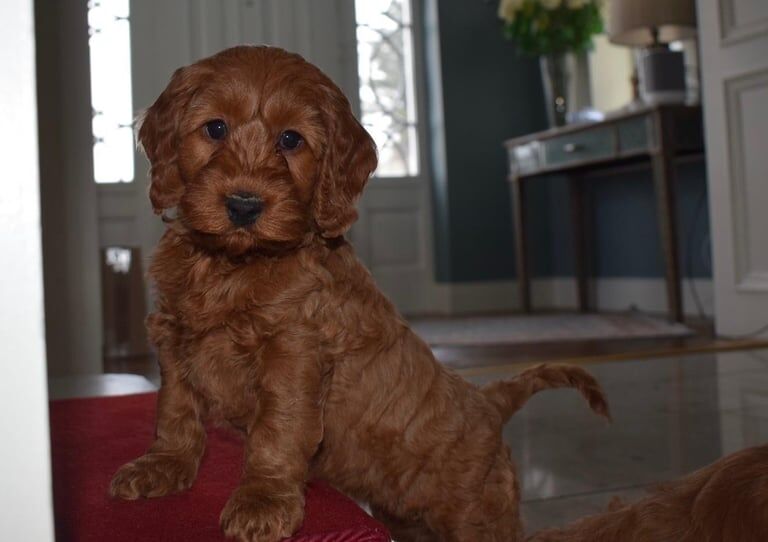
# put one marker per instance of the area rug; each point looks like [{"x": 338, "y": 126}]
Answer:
[
  {"x": 92, "y": 438},
  {"x": 520, "y": 329}
]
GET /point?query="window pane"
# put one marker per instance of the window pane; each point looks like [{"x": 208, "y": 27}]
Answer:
[
  {"x": 387, "y": 98},
  {"x": 110, "y": 54}
]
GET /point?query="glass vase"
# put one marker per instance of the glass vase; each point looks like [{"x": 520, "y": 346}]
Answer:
[{"x": 565, "y": 76}]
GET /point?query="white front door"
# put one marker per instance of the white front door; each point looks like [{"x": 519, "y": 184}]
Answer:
[
  {"x": 734, "y": 51},
  {"x": 394, "y": 233},
  {"x": 393, "y": 236}
]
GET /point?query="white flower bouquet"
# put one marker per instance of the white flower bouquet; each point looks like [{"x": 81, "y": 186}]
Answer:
[{"x": 541, "y": 27}]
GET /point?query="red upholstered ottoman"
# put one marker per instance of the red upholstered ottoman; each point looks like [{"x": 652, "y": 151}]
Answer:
[{"x": 91, "y": 438}]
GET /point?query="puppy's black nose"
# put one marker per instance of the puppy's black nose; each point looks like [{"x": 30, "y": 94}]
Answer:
[{"x": 243, "y": 208}]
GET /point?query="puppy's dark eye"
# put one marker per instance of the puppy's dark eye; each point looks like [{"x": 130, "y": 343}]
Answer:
[
  {"x": 216, "y": 129},
  {"x": 289, "y": 140}
]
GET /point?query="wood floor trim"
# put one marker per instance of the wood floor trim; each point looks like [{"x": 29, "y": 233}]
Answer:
[{"x": 713, "y": 347}]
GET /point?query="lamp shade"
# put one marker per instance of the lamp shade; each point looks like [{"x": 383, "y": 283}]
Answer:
[{"x": 634, "y": 22}]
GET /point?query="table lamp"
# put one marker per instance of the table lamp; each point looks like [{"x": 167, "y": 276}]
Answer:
[{"x": 652, "y": 25}]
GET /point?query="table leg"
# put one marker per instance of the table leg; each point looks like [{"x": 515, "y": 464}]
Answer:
[
  {"x": 666, "y": 207},
  {"x": 578, "y": 230},
  {"x": 521, "y": 244}
]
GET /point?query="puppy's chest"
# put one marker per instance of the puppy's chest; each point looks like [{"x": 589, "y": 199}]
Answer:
[
  {"x": 224, "y": 324},
  {"x": 225, "y": 373},
  {"x": 208, "y": 300}
]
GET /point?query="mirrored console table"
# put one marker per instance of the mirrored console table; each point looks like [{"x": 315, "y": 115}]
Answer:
[{"x": 658, "y": 135}]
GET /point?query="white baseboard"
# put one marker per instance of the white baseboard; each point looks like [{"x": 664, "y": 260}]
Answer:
[
  {"x": 608, "y": 294},
  {"x": 467, "y": 297}
]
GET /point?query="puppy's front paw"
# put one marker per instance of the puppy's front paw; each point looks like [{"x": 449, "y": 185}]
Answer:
[
  {"x": 252, "y": 516},
  {"x": 153, "y": 475}
]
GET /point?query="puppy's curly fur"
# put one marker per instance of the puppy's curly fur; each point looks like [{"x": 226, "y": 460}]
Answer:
[
  {"x": 726, "y": 501},
  {"x": 278, "y": 329}
]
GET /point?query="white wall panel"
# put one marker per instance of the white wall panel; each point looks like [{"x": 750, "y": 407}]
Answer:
[
  {"x": 743, "y": 18},
  {"x": 746, "y": 97}
]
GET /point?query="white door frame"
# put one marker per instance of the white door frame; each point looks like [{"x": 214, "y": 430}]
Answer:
[{"x": 26, "y": 511}]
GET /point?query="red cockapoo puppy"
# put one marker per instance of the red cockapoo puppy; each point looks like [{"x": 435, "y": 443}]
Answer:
[
  {"x": 266, "y": 319},
  {"x": 726, "y": 501}
]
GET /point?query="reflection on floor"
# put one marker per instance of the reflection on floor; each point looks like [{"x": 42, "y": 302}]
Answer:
[{"x": 671, "y": 416}]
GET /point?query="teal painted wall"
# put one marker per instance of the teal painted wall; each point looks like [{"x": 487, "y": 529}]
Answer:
[
  {"x": 488, "y": 93},
  {"x": 622, "y": 225},
  {"x": 481, "y": 92}
]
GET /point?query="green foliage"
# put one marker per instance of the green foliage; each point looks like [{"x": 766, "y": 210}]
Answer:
[{"x": 538, "y": 30}]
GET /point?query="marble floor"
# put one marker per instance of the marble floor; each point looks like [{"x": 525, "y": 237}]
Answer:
[{"x": 670, "y": 417}]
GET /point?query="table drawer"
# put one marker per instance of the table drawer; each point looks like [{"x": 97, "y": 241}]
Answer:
[
  {"x": 579, "y": 147},
  {"x": 634, "y": 134}
]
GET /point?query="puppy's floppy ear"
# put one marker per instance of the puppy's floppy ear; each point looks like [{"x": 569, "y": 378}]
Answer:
[
  {"x": 158, "y": 136},
  {"x": 348, "y": 161}
]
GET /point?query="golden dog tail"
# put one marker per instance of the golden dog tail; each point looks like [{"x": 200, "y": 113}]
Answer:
[{"x": 510, "y": 395}]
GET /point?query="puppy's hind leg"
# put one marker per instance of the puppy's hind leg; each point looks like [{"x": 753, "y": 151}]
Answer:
[
  {"x": 403, "y": 530},
  {"x": 476, "y": 528},
  {"x": 484, "y": 509}
]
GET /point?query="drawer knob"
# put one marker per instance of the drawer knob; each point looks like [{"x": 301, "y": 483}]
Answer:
[{"x": 571, "y": 147}]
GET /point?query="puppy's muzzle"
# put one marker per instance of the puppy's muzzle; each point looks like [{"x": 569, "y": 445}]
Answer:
[{"x": 243, "y": 208}]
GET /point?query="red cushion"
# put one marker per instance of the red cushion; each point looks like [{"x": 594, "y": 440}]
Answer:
[{"x": 92, "y": 438}]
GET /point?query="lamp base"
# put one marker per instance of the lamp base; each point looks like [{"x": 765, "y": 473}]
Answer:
[{"x": 662, "y": 75}]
